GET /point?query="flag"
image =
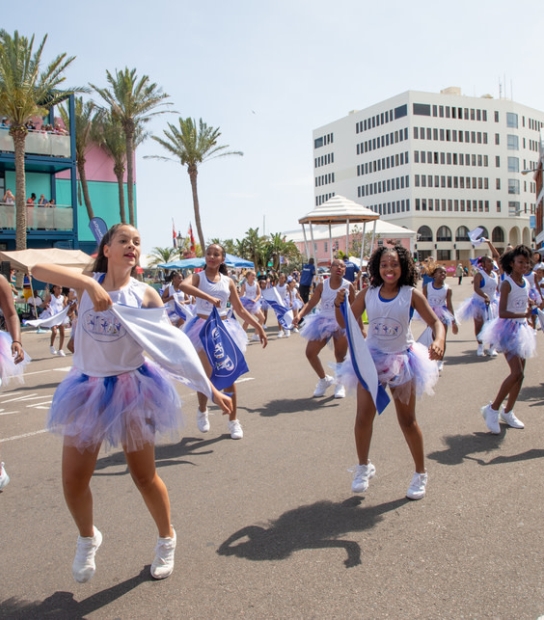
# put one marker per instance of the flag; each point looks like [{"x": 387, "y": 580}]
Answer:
[
  {"x": 475, "y": 236},
  {"x": 174, "y": 236},
  {"x": 362, "y": 361},
  {"x": 165, "y": 344},
  {"x": 192, "y": 247},
  {"x": 52, "y": 321},
  {"x": 283, "y": 314},
  {"x": 226, "y": 359}
]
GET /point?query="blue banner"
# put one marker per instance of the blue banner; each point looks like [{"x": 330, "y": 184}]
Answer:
[
  {"x": 283, "y": 314},
  {"x": 361, "y": 359},
  {"x": 226, "y": 359},
  {"x": 99, "y": 228}
]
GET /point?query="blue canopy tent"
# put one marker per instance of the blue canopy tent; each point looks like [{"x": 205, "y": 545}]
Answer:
[{"x": 200, "y": 262}]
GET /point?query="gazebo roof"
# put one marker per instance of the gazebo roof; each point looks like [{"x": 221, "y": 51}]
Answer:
[{"x": 339, "y": 209}]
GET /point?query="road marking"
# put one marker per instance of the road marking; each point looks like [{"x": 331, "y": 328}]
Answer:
[
  {"x": 8, "y": 412},
  {"x": 244, "y": 380},
  {"x": 21, "y": 398},
  {"x": 40, "y": 405},
  {"x": 23, "y": 436},
  {"x": 39, "y": 372}
]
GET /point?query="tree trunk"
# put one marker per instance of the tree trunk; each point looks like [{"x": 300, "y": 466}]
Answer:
[
  {"x": 129, "y": 136},
  {"x": 19, "y": 137},
  {"x": 119, "y": 171},
  {"x": 85, "y": 187},
  {"x": 193, "y": 173}
]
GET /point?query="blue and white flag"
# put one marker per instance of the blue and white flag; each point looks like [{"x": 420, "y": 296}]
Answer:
[
  {"x": 165, "y": 344},
  {"x": 475, "y": 236},
  {"x": 183, "y": 311},
  {"x": 283, "y": 314},
  {"x": 226, "y": 359},
  {"x": 52, "y": 321},
  {"x": 361, "y": 359}
]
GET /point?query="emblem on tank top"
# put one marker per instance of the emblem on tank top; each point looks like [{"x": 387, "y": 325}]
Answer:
[
  {"x": 386, "y": 328},
  {"x": 102, "y": 326}
]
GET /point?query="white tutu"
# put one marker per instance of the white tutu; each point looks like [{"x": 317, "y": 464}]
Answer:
[
  {"x": 510, "y": 337},
  {"x": 251, "y": 305},
  {"x": 318, "y": 327},
  {"x": 476, "y": 308},
  {"x": 401, "y": 371},
  {"x": 195, "y": 325}
]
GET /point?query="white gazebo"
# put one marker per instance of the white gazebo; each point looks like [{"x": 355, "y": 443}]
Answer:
[{"x": 337, "y": 210}]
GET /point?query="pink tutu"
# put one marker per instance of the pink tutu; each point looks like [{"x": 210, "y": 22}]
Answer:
[
  {"x": 128, "y": 409},
  {"x": 510, "y": 337},
  {"x": 9, "y": 370},
  {"x": 476, "y": 308},
  {"x": 318, "y": 327},
  {"x": 399, "y": 371},
  {"x": 250, "y": 305},
  {"x": 195, "y": 325}
]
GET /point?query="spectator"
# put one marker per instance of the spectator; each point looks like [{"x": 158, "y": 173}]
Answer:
[{"x": 306, "y": 278}]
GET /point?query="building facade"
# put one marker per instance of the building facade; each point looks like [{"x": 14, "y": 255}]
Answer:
[{"x": 440, "y": 164}]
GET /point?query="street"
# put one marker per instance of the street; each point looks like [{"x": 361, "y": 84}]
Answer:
[{"x": 267, "y": 526}]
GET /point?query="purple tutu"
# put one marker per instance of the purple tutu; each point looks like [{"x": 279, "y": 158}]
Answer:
[
  {"x": 9, "y": 370},
  {"x": 250, "y": 305},
  {"x": 399, "y": 371},
  {"x": 128, "y": 409},
  {"x": 476, "y": 308},
  {"x": 510, "y": 337},
  {"x": 195, "y": 325},
  {"x": 318, "y": 327}
]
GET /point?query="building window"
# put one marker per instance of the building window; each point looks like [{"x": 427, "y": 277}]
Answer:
[
  {"x": 514, "y": 208},
  {"x": 443, "y": 254},
  {"x": 512, "y": 142},
  {"x": 511, "y": 120},
  {"x": 513, "y": 164},
  {"x": 443, "y": 233},
  {"x": 498, "y": 206},
  {"x": 496, "y": 116},
  {"x": 513, "y": 186},
  {"x": 424, "y": 233},
  {"x": 401, "y": 111},
  {"x": 422, "y": 109},
  {"x": 497, "y": 161}
]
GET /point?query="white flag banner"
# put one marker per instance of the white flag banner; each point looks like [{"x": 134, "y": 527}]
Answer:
[
  {"x": 165, "y": 344},
  {"x": 56, "y": 319},
  {"x": 475, "y": 236},
  {"x": 426, "y": 338}
]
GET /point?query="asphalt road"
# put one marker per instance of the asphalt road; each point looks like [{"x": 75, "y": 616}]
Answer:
[{"x": 267, "y": 526}]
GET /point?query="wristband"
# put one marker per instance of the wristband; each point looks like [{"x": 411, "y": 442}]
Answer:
[{"x": 16, "y": 342}]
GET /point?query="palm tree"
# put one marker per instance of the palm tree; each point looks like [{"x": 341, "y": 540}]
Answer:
[
  {"x": 84, "y": 118},
  {"x": 162, "y": 255},
  {"x": 193, "y": 146},
  {"x": 277, "y": 247},
  {"x": 26, "y": 90},
  {"x": 108, "y": 134},
  {"x": 132, "y": 102},
  {"x": 253, "y": 247}
]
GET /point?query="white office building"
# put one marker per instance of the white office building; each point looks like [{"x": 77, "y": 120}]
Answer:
[{"x": 439, "y": 164}]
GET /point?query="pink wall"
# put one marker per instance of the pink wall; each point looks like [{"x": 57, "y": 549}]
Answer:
[{"x": 98, "y": 166}]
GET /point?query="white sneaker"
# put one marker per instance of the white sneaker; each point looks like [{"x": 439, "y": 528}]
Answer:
[
  {"x": 491, "y": 418},
  {"x": 416, "y": 490},
  {"x": 339, "y": 391},
  {"x": 280, "y": 333},
  {"x": 440, "y": 366},
  {"x": 295, "y": 330},
  {"x": 362, "y": 475},
  {"x": 235, "y": 429},
  {"x": 84, "y": 565},
  {"x": 323, "y": 385},
  {"x": 255, "y": 338},
  {"x": 492, "y": 352},
  {"x": 508, "y": 418},
  {"x": 61, "y": 353},
  {"x": 52, "y": 350},
  {"x": 163, "y": 564},
  {"x": 202, "y": 420},
  {"x": 287, "y": 333},
  {"x": 4, "y": 478},
  {"x": 480, "y": 351}
]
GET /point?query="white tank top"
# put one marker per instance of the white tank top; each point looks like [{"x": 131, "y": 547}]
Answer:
[
  {"x": 103, "y": 347},
  {"x": 219, "y": 289},
  {"x": 437, "y": 296},
  {"x": 56, "y": 304},
  {"x": 489, "y": 284},
  {"x": 389, "y": 321},
  {"x": 517, "y": 298},
  {"x": 251, "y": 290},
  {"x": 328, "y": 297},
  {"x": 282, "y": 290}
]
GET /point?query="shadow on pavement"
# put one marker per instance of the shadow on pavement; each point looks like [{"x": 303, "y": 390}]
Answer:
[
  {"x": 291, "y": 405},
  {"x": 62, "y": 605},
  {"x": 460, "y": 446},
  {"x": 317, "y": 526},
  {"x": 470, "y": 357},
  {"x": 534, "y": 453},
  {"x": 170, "y": 454},
  {"x": 533, "y": 393}
]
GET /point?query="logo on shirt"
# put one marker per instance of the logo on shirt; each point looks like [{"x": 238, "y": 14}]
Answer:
[
  {"x": 386, "y": 329},
  {"x": 102, "y": 326}
]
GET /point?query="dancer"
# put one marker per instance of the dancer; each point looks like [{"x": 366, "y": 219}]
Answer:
[
  {"x": 320, "y": 327},
  {"x": 406, "y": 366},
  {"x": 212, "y": 287},
  {"x": 113, "y": 395},
  {"x": 439, "y": 295},
  {"x": 281, "y": 287},
  {"x": 483, "y": 304},
  {"x": 294, "y": 299},
  {"x": 510, "y": 334},
  {"x": 55, "y": 305},
  {"x": 264, "y": 283},
  {"x": 250, "y": 296},
  {"x": 11, "y": 350},
  {"x": 173, "y": 293}
]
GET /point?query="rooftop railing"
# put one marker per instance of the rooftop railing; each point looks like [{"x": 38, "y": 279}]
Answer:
[
  {"x": 38, "y": 143},
  {"x": 59, "y": 217}
]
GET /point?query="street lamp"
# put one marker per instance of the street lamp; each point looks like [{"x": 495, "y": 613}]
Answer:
[{"x": 179, "y": 241}]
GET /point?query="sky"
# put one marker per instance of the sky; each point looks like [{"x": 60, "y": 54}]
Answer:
[{"x": 269, "y": 73}]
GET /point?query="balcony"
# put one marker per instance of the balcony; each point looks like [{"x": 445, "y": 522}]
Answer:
[
  {"x": 58, "y": 218},
  {"x": 38, "y": 143}
]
